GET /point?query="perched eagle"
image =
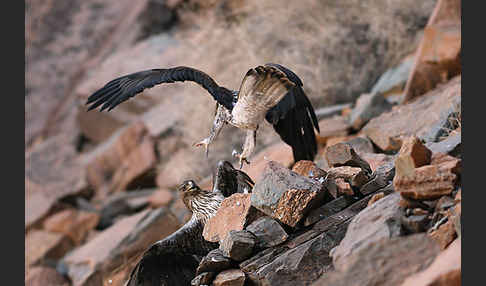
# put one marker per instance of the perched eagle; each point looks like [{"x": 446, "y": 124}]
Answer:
[
  {"x": 173, "y": 260},
  {"x": 271, "y": 91}
]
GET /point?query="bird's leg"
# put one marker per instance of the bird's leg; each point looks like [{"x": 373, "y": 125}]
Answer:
[
  {"x": 220, "y": 119},
  {"x": 248, "y": 147}
]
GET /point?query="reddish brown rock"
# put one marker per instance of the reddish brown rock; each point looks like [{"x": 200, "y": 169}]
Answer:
[
  {"x": 230, "y": 277},
  {"x": 343, "y": 154},
  {"x": 286, "y": 195},
  {"x": 438, "y": 57},
  {"x": 234, "y": 213},
  {"x": 118, "y": 246},
  {"x": 342, "y": 188},
  {"x": 308, "y": 169},
  {"x": 128, "y": 155},
  {"x": 52, "y": 171},
  {"x": 388, "y": 261},
  {"x": 72, "y": 223},
  {"x": 375, "y": 198},
  {"x": 354, "y": 175},
  {"x": 445, "y": 234},
  {"x": 41, "y": 276},
  {"x": 447, "y": 162},
  {"x": 40, "y": 244},
  {"x": 413, "y": 154},
  {"x": 425, "y": 117},
  {"x": 426, "y": 183},
  {"x": 160, "y": 198},
  {"x": 444, "y": 270}
]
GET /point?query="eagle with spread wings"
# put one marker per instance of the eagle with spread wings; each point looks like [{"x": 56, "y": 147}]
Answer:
[
  {"x": 173, "y": 260},
  {"x": 271, "y": 92}
]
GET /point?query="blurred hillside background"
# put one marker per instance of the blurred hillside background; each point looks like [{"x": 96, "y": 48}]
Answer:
[{"x": 80, "y": 160}]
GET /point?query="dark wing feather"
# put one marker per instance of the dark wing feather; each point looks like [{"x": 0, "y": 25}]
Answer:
[
  {"x": 294, "y": 119},
  {"x": 172, "y": 261},
  {"x": 229, "y": 180},
  {"x": 125, "y": 87}
]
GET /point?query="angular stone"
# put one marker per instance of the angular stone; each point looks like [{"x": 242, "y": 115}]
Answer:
[
  {"x": 425, "y": 117},
  {"x": 41, "y": 245},
  {"x": 52, "y": 171},
  {"x": 392, "y": 82},
  {"x": 361, "y": 145},
  {"x": 438, "y": 57},
  {"x": 72, "y": 223},
  {"x": 383, "y": 177},
  {"x": 118, "y": 246},
  {"x": 447, "y": 162},
  {"x": 160, "y": 198},
  {"x": 214, "y": 261},
  {"x": 375, "y": 198},
  {"x": 444, "y": 203},
  {"x": 354, "y": 175},
  {"x": 450, "y": 145},
  {"x": 280, "y": 152},
  {"x": 41, "y": 276},
  {"x": 302, "y": 259},
  {"x": 267, "y": 231},
  {"x": 327, "y": 210},
  {"x": 426, "y": 183},
  {"x": 388, "y": 261},
  {"x": 415, "y": 223},
  {"x": 368, "y": 106},
  {"x": 342, "y": 154},
  {"x": 117, "y": 163},
  {"x": 339, "y": 187},
  {"x": 379, "y": 220},
  {"x": 204, "y": 278},
  {"x": 413, "y": 154},
  {"x": 234, "y": 213},
  {"x": 308, "y": 169},
  {"x": 285, "y": 195},
  {"x": 444, "y": 270},
  {"x": 230, "y": 277},
  {"x": 445, "y": 234},
  {"x": 238, "y": 245}
]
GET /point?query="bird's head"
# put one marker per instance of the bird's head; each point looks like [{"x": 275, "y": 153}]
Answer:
[{"x": 188, "y": 186}]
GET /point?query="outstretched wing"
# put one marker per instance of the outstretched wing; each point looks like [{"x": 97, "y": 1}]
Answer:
[
  {"x": 229, "y": 180},
  {"x": 172, "y": 261},
  {"x": 125, "y": 87},
  {"x": 294, "y": 119}
]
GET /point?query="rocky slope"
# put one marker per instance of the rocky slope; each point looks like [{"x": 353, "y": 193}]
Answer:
[{"x": 384, "y": 187}]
